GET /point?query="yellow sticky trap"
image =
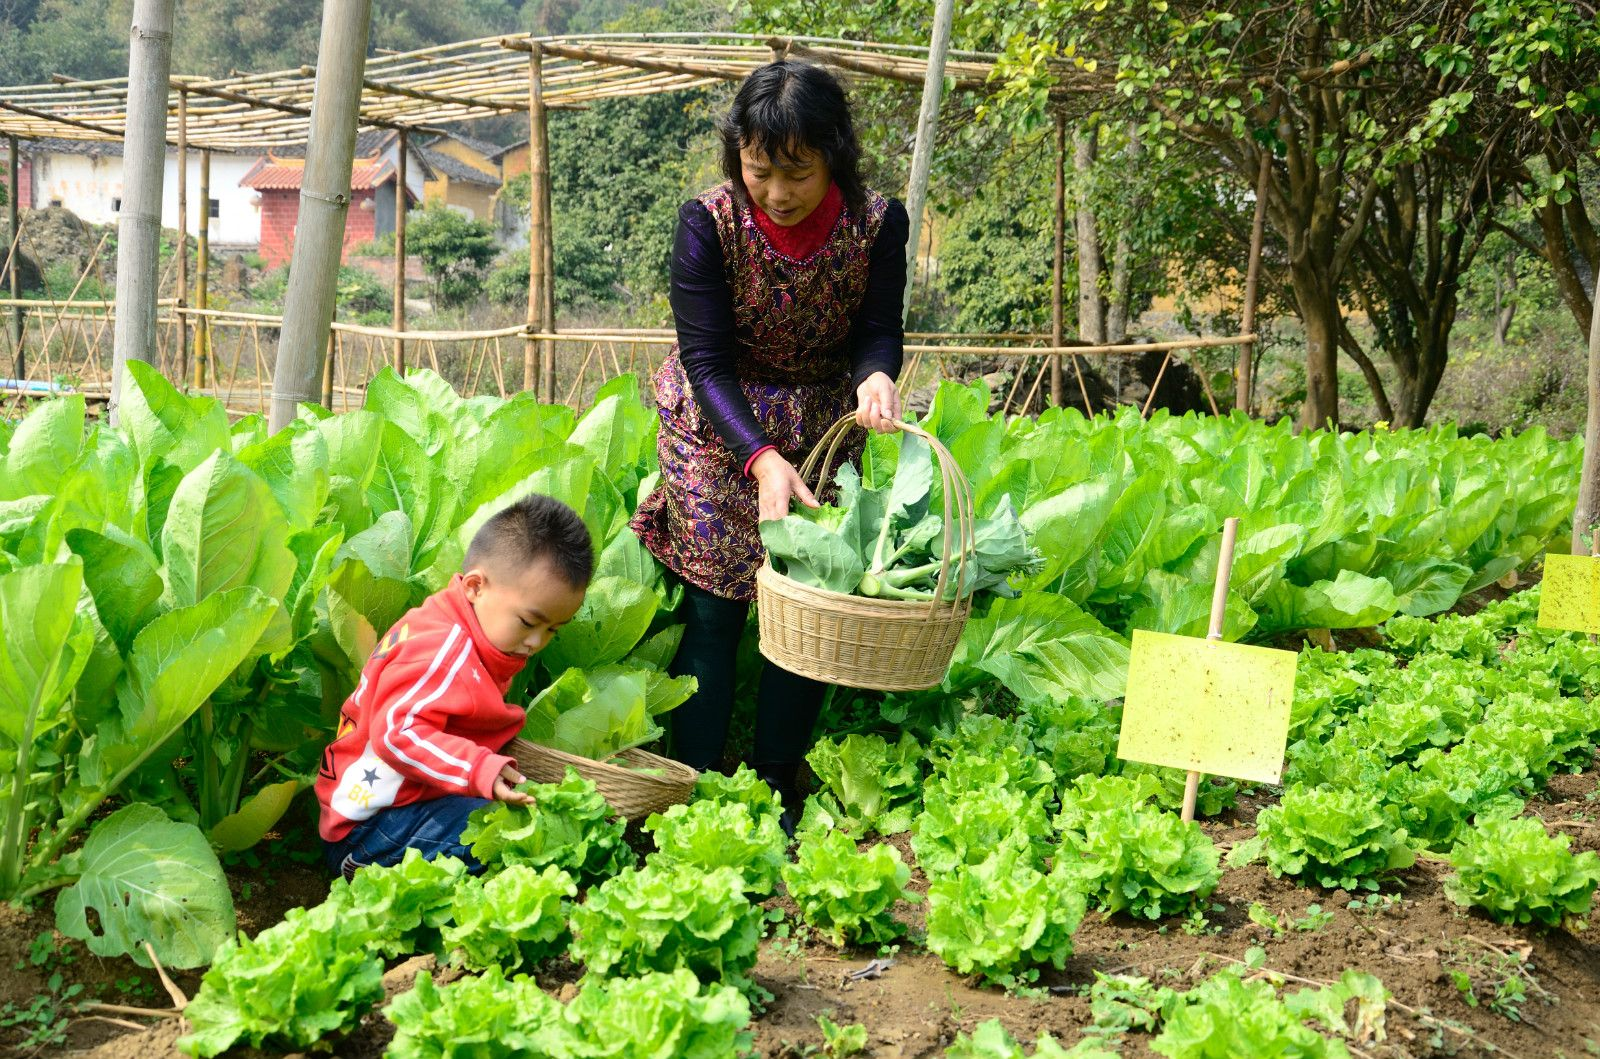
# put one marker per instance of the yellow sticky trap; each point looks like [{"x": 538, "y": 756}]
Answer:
[
  {"x": 1206, "y": 705},
  {"x": 1570, "y": 598}
]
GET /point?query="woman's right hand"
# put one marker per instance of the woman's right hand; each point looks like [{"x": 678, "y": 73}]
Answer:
[{"x": 779, "y": 483}]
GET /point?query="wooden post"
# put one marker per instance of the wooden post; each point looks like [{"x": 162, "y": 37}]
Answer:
[
  {"x": 324, "y": 201},
  {"x": 202, "y": 273},
  {"x": 538, "y": 175},
  {"x": 927, "y": 128},
  {"x": 15, "y": 248},
  {"x": 327, "y": 372},
  {"x": 183, "y": 236},
  {"x": 144, "y": 158},
  {"x": 1058, "y": 321},
  {"x": 400, "y": 205},
  {"x": 1243, "y": 384},
  {"x": 1219, "y": 609}
]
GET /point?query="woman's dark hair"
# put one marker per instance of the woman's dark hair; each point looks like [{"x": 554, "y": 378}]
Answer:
[{"x": 784, "y": 106}]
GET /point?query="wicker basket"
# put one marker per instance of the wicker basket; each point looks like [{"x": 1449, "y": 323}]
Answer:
[
  {"x": 858, "y": 642},
  {"x": 631, "y": 793}
]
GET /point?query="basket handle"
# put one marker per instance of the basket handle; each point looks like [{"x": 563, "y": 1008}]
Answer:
[{"x": 958, "y": 507}]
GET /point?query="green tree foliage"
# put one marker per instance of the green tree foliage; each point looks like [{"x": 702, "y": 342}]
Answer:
[{"x": 454, "y": 251}]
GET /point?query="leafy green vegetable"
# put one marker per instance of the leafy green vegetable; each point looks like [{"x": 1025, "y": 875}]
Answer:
[
  {"x": 399, "y": 909},
  {"x": 1334, "y": 837},
  {"x": 658, "y": 1016},
  {"x": 599, "y": 712},
  {"x": 1139, "y": 859},
  {"x": 569, "y": 826},
  {"x": 1226, "y": 1017},
  {"x": 846, "y": 894},
  {"x": 964, "y": 828},
  {"x": 710, "y": 835},
  {"x": 990, "y": 1040},
  {"x": 1515, "y": 871},
  {"x": 841, "y": 1041},
  {"x": 1004, "y": 918},
  {"x": 667, "y": 917},
  {"x": 871, "y": 785},
  {"x": 742, "y": 787},
  {"x": 515, "y": 919},
  {"x": 477, "y": 1016},
  {"x": 287, "y": 988}
]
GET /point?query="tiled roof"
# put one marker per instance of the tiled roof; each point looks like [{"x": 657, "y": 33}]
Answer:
[
  {"x": 456, "y": 169},
  {"x": 271, "y": 175}
]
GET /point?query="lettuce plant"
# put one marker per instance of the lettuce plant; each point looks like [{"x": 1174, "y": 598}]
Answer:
[
  {"x": 1517, "y": 873},
  {"x": 667, "y": 917},
  {"x": 990, "y": 1040},
  {"x": 399, "y": 909},
  {"x": 1333, "y": 837},
  {"x": 569, "y": 826},
  {"x": 962, "y": 829},
  {"x": 658, "y": 1016},
  {"x": 743, "y": 787},
  {"x": 710, "y": 835},
  {"x": 287, "y": 988},
  {"x": 1003, "y": 918},
  {"x": 1140, "y": 860},
  {"x": 1226, "y": 1017},
  {"x": 514, "y": 919},
  {"x": 846, "y": 894},
  {"x": 872, "y": 786},
  {"x": 476, "y": 1016}
]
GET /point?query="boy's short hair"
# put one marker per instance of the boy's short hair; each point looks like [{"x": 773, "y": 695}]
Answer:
[{"x": 535, "y": 527}]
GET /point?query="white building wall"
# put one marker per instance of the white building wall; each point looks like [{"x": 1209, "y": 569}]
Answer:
[{"x": 90, "y": 186}]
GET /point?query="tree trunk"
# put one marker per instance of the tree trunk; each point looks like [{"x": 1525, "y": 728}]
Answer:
[
  {"x": 1091, "y": 306},
  {"x": 144, "y": 156},
  {"x": 1122, "y": 257},
  {"x": 1505, "y": 301},
  {"x": 1587, "y": 514},
  {"x": 1319, "y": 313},
  {"x": 324, "y": 200}
]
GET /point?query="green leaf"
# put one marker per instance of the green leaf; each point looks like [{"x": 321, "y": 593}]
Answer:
[
  {"x": 38, "y": 626},
  {"x": 224, "y": 530},
  {"x": 147, "y": 879},
  {"x": 812, "y": 554},
  {"x": 166, "y": 426},
  {"x": 613, "y": 619},
  {"x": 44, "y": 447},
  {"x": 258, "y": 815},
  {"x": 122, "y": 575}
]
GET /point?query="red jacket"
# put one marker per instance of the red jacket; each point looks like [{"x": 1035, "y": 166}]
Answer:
[{"x": 428, "y": 718}]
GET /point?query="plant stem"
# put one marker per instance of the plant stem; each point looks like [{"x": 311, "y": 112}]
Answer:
[
  {"x": 233, "y": 779},
  {"x": 883, "y": 541},
  {"x": 210, "y": 781},
  {"x": 16, "y": 836}
]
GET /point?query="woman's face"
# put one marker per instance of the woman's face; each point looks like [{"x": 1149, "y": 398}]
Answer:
[{"x": 787, "y": 193}]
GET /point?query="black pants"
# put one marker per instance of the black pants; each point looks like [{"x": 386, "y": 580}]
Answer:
[{"x": 786, "y": 705}]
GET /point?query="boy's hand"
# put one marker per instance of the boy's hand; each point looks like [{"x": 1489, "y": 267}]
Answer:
[{"x": 505, "y": 787}]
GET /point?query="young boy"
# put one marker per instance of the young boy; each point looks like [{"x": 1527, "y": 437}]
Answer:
[{"x": 418, "y": 746}]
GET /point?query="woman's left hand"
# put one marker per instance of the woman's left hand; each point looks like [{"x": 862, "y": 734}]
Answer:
[{"x": 878, "y": 403}]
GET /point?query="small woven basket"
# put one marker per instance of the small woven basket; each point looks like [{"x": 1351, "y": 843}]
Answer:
[
  {"x": 631, "y": 793},
  {"x": 856, "y": 641}
]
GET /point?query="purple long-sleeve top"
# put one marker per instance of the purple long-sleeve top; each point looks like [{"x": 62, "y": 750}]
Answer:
[{"x": 702, "y": 308}]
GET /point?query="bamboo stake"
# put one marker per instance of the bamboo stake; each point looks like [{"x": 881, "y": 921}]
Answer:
[
  {"x": 927, "y": 129},
  {"x": 202, "y": 273},
  {"x": 1219, "y": 610},
  {"x": 14, "y": 277},
  {"x": 183, "y": 234},
  {"x": 143, "y": 164},
  {"x": 1057, "y": 305},
  {"x": 536, "y": 218},
  {"x": 1151, "y": 399},
  {"x": 401, "y": 205}
]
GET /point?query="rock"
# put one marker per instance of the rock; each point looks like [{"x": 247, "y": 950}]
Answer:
[{"x": 235, "y": 274}]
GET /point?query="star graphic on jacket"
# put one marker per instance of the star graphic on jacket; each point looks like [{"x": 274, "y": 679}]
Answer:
[{"x": 370, "y": 776}]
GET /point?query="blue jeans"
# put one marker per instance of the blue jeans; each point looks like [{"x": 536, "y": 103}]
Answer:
[{"x": 432, "y": 827}]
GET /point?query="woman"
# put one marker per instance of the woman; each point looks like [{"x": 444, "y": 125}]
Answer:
[{"x": 787, "y": 285}]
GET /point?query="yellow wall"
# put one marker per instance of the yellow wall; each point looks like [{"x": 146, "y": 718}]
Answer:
[{"x": 441, "y": 190}]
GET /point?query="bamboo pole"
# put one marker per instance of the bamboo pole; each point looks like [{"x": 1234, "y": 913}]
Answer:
[
  {"x": 202, "y": 273},
  {"x": 1243, "y": 383},
  {"x": 143, "y": 161},
  {"x": 324, "y": 201},
  {"x": 1057, "y": 306},
  {"x": 13, "y": 275},
  {"x": 183, "y": 234},
  {"x": 401, "y": 203},
  {"x": 927, "y": 129},
  {"x": 1586, "y": 516},
  {"x": 537, "y": 222},
  {"x": 1219, "y": 611}
]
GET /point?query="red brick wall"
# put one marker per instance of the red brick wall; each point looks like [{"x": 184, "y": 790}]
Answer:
[
  {"x": 24, "y": 177},
  {"x": 280, "y": 212}
]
